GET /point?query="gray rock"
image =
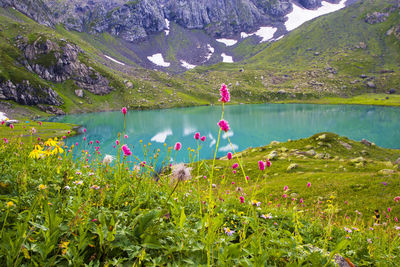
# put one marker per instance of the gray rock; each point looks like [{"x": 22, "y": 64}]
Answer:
[
  {"x": 376, "y": 17},
  {"x": 292, "y": 167},
  {"x": 371, "y": 85},
  {"x": 346, "y": 145},
  {"x": 273, "y": 155},
  {"x": 79, "y": 93},
  {"x": 365, "y": 142},
  {"x": 311, "y": 153}
]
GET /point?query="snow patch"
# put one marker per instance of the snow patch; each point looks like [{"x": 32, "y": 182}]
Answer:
[
  {"x": 228, "y": 147},
  {"x": 3, "y": 116},
  {"x": 211, "y": 51},
  {"x": 226, "y": 58},
  {"x": 280, "y": 37},
  {"x": 300, "y": 15},
  {"x": 167, "y": 30},
  {"x": 227, "y": 42},
  {"x": 187, "y": 65},
  {"x": 266, "y": 33},
  {"x": 116, "y": 61},
  {"x": 161, "y": 136},
  {"x": 158, "y": 60}
]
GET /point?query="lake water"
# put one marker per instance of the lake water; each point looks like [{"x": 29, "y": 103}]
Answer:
[{"x": 251, "y": 126}]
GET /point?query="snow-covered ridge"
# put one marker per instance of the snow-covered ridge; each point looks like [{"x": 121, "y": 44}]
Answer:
[
  {"x": 300, "y": 15},
  {"x": 114, "y": 60},
  {"x": 167, "y": 30},
  {"x": 266, "y": 33},
  {"x": 158, "y": 60}
]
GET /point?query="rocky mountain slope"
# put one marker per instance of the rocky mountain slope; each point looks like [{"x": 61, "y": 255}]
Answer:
[{"x": 88, "y": 62}]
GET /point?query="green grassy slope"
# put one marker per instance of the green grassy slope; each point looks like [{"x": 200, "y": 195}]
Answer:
[{"x": 321, "y": 58}]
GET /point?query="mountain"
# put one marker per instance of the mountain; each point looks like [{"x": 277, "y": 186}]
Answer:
[{"x": 71, "y": 56}]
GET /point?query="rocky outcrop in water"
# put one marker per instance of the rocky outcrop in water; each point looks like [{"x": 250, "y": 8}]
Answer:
[{"x": 58, "y": 62}]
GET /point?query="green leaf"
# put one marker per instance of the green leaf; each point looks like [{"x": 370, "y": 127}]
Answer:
[{"x": 182, "y": 219}]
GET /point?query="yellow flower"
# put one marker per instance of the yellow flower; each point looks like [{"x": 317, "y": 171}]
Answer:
[
  {"x": 10, "y": 204},
  {"x": 42, "y": 187}
]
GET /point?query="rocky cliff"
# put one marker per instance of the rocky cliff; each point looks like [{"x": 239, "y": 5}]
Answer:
[
  {"x": 58, "y": 62},
  {"x": 135, "y": 20}
]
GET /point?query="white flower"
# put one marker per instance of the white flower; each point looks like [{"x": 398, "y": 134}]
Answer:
[
  {"x": 108, "y": 159},
  {"x": 67, "y": 187}
]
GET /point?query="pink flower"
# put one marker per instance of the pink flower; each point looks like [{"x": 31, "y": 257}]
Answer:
[
  {"x": 285, "y": 188},
  {"x": 229, "y": 156},
  {"x": 233, "y": 182},
  {"x": 117, "y": 142},
  {"x": 5, "y": 140},
  {"x": 203, "y": 138},
  {"x": 241, "y": 199},
  {"x": 143, "y": 163},
  {"x": 178, "y": 146},
  {"x": 76, "y": 144},
  {"x": 397, "y": 199},
  {"x": 225, "y": 97},
  {"x": 284, "y": 196},
  {"x": 395, "y": 219},
  {"x": 223, "y": 124},
  {"x": 301, "y": 200},
  {"x": 197, "y": 136},
  {"x": 12, "y": 126},
  {"x": 308, "y": 184},
  {"x": 126, "y": 136},
  {"x": 84, "y": 138},
  {"x": 91, "y": 142},
  {"x": 261, "y": 165},
  {"x": 234, "y": 171},
  {"x": 97, "y": 141},
  {"x": 124, "y": 110},
  {"x": 234, "y": 166},
  {"x": 247, "y": 178},
  {"x": 40, "y": 123},
  {"x": 84, "y": 130},
  {"x": 389, "y": 209},
  {"x": 38, "y": 138},
  {"x": 2, "y": 122},
  {"x": 68, "y": 132},
  {"x": 64, "y": 137},
  {"x": 126, "y": 150},
  {"x": 268, "y": 163}
]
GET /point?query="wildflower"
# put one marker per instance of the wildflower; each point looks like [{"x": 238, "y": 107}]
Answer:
[
  {"x": 84, "y": 130},
  {"x": 275, "y": 223},
  {"x": 308, "y": 184},
  {"x": 239, "y": 189},
  {"x": 33, "y": 130},
  {"x": 5, "y": 140},
  {"x": 268, "y": 216},
  {"x": 11, "y": 126},
  {"x": 42, "y": 187},
  {"x": 268, "y": 163},
  {"x": 126, "y": 136},
  {"x": 234, "y": 171},
  {"x": 348, "y": 237},
  {"x": 40, "y": 123},
  {"x": 356, "y": 229},
  {"x": 233, "y": 182},
  {"x": 301, "y": 201},
  {"x": 180, "y": 173},
  {"x": 10, "y": 204},
  {"x": 285, "y": 188},
  {"x": 117, "y": 142},
  {"x": 91, "y": 142},
  {"x": 68, "y": 132},
  {"x": 203, "y": 138},
  {"x": 397, "y": 227},
  {"x": 107, "y": 159},
  {"x": 124, "y": 110},
  {"x": 84, "y": 138},
  {"x": 395, "y": 219},
  {"x": 247, "y": 178},
  {"x": 397, "y": 199},
  {"x": 255, "y": 203},
  {"x": 229, "y": 155},
  {"x": 234, "y": 166},
  {"x": 142, "y": 164},
  {"x": 369, "y": 240},
  {"x": 96, "y": 187},
  {"x": 2, "y": 122},
  {"x": 384, "y": 183},
  {"x": 241, "y": 199},
  {"x": 389, "y": 209},
  {"x": 78, "y": 173},
  {"x": 228, "y": 231},
  {"x": 126, "y": 150},
  {"x": 261, "y": 165},
  {"x": 223, "y": 124},
  {"x": 178, "y": 146},
  {"x": 348, "y": 230},
  {"x": 225, "y": 97},
  {"x": 214, "y": 186},
  {"x": 64, "y": 247},
  {"x": 97, "y": 142},
  {"x": 67, "y": 187},
  {"x": 284, "y": 196},
  {"x": 197, "y": 136},
  {"x": 80, "y": 182}
]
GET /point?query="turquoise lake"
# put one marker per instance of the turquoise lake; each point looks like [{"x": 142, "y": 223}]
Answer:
[{"x": 251, "y": 126}]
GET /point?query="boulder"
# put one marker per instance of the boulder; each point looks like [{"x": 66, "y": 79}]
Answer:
[
  {"x": 79, "y": 93},
  {"x": 346, "y": 145},
  {"x": 292, "y": 167},
  {"x": 366, "y": 142},
  {"x": 311, "y": 153},
  {"x": 357, "y": 160},
  {"x": 273, "y": 155}
]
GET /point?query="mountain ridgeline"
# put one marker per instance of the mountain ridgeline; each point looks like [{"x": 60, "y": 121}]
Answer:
[{"x": 135, "y": 20}]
